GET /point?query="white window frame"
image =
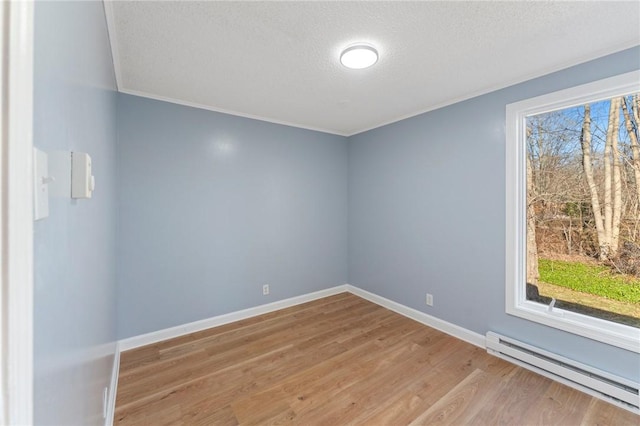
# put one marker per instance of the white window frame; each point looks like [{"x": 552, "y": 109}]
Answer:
[{"x": 615, "y": 334}]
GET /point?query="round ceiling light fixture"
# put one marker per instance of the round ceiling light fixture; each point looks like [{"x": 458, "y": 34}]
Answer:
[{"x": 359, "y": 56}]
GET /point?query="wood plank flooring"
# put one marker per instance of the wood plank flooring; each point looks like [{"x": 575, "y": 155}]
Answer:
[{"x": 337, "y": 361}]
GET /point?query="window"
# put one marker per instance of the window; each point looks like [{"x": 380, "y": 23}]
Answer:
[{"x": 573, "y": 210}]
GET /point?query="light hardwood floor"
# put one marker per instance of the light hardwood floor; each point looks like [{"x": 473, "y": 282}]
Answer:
[{"x": 336, "y": 361}]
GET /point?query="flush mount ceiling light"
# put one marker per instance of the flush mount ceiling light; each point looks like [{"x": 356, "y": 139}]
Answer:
[{"x": 359, "y": 56}]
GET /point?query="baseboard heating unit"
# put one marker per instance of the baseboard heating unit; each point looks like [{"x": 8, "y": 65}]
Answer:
[{"x": 603, "y": 385}]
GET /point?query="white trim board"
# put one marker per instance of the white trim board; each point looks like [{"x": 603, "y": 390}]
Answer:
[
  {"x": 113, "y": 388},
  {"x": 169, "y": 333},
  {"x": 234, "y": 113},
  {"x": 113, "y": 40},
  {"x": 16, "y": 214},
  {"x": 426, "y": 319},
  {"x": 192, "y": 327}
]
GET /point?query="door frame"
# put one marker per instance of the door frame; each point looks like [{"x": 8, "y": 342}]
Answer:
[{"x": 16, "y": 212}]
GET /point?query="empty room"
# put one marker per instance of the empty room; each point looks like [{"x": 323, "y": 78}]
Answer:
[{"x": 320, "y": 213}]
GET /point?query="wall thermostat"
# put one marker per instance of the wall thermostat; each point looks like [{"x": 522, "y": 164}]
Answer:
[{"x": 82, "y": 180}]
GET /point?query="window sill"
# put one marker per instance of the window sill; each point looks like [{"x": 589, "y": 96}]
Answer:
[{"x": 619, "y": 335}]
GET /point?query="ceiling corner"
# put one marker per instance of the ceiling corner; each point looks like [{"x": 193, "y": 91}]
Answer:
[{"x": 113, "y": 40}]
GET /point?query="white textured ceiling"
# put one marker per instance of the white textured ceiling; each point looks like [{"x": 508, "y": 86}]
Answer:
[{"x": 279, "y": 61}]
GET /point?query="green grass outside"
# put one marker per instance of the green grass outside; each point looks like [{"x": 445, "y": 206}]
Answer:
[{"x": 592, "y": 279}]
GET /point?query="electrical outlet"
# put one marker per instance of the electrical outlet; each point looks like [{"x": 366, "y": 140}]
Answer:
[
  {"x": 265, "y": 289},
  {"x": 429, "y": 299}
]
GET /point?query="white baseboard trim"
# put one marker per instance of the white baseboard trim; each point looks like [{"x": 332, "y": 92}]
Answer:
[
  {"x": 113, "y": 388},
  {"x": 192, "y": 327},
  {"x": 169, "y": 333},
  {"x": 426, "y": 319}
]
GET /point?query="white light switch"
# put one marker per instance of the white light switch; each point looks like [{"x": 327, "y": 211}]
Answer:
[
  {"x": 41, "y": 180},
  {"x": 82, "y": 180}
]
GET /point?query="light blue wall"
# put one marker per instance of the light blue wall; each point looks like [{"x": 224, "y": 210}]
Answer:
[
  {"x": 427, "y": 212},
  {"x": 74, "y": 302},
  {"x": 210, "y": 207},
  {"x": 213, "y": 206}
]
